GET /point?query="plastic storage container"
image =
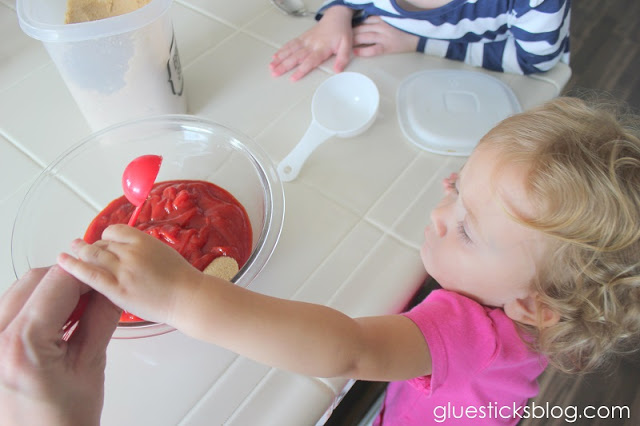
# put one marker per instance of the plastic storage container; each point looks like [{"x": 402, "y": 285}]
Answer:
[{"x": 116, "y": 68}]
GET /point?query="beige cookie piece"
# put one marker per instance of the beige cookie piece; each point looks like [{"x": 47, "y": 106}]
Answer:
[
  {"x": 93, "y": 10},
  {"x": 222, "y": 267}
]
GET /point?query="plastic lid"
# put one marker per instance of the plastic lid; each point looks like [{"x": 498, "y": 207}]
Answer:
[{"x": 448, "y": 111}]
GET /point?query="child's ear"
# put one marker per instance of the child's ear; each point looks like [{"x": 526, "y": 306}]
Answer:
[{"x": 527, "y": 310}]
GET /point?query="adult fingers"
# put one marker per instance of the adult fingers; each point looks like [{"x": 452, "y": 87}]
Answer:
[
  {"x": 17, "y": 295},
  {"x": 94, "y": 331},
  {"x": 50, "y": 304}
]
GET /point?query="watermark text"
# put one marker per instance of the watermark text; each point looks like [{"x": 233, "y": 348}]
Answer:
[{"x": 570, "y": 413}]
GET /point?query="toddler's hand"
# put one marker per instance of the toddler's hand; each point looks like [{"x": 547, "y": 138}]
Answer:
[
  {"x": 333, "y": 35},
  {"x": 134, "y": 270},
  {"x": 375, "y": 37},
  {"x": 449, "y": 183}
]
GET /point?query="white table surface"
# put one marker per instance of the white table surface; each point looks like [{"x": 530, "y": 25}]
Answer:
[{"x": 354, "y": 217}]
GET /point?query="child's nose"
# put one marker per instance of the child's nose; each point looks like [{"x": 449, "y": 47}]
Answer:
[{"x": 438, "y": 220}]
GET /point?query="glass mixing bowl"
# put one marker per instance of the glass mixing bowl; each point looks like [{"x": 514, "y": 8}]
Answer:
[{"x": 72, "y": 190}]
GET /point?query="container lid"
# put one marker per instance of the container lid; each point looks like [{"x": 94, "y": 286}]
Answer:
[
  {"x": 44, "y": 20},
  {"x": 448, "y": 111}
]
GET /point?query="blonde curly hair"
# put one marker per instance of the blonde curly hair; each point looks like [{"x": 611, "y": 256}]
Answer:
[{"x": 583, "y": 164}]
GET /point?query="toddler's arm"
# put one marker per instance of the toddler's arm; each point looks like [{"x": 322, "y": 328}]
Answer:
[
  {"x": 538, "y": 39},
  {"x": 332, "y": 35},
  {"x": 525, "y": 37},
  {"x": 148, "y": 278}
]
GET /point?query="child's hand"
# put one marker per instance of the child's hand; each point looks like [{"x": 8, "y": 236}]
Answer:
[
  {"x": 449, "y": 183},
  {"x": 134, "y": 270},
  {"x": 375, "y": 37},
  {"x": 333, "y": 35}
]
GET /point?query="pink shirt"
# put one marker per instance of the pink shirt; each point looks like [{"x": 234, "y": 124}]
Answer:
[{"x": 482, "y": 371}]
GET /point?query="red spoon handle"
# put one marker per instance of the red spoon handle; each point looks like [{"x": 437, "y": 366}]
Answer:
[
  {"x": 134, "y": 215},
  {"x": 77, "y": 313}
]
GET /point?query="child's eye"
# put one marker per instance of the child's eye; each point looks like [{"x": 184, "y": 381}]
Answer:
[{"x": 463, "y": 233}]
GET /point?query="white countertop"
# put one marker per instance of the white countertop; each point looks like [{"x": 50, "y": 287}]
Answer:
[{"x": 354, "y": 217}]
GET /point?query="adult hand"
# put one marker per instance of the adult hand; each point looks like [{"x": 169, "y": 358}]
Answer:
[
  {"x": 332, "y": 35},
  {"x": 375, "y": 37},
  {"x": 44, "y": 379}
]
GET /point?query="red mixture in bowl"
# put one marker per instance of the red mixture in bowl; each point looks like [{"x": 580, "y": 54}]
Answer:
[{"x": 199, "y": 219}]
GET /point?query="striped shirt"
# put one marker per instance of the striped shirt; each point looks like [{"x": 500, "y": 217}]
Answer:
[{"x": 516, "y": 36}]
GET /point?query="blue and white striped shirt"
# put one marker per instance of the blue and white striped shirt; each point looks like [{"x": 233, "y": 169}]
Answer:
[{"x": 516, "y": 36}]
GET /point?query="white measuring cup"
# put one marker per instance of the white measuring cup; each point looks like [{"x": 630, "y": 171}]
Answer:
[{"x": 344, "y": 105}]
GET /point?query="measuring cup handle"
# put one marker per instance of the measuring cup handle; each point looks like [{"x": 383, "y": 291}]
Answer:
[{"x": 290, "y": 166}]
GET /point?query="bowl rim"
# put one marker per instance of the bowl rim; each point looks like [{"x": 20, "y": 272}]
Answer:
[{"x": 274, "y": 205}]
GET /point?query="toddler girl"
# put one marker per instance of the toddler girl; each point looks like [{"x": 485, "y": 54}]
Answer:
[
  {"x": 535, "y": 245},
  {"x": 519, "y": 36}
]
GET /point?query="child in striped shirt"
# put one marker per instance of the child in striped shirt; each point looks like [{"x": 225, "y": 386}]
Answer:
[{"x": 516, "y": 36}]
